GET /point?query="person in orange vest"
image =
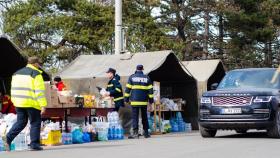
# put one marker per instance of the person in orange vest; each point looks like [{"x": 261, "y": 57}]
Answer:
[
  {"x": 59, "y": 84},
  {"x": 7, "y": 104}
]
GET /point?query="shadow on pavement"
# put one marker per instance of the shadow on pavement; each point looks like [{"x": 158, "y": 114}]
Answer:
[
  {"x": 80, "y": 146},
  {"x": 247, "y": 135}
]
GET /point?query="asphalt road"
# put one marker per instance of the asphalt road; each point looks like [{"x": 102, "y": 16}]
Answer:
[{"x": 190, "y": 145}]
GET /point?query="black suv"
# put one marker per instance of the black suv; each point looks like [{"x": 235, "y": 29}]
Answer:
[{"x": 245, "y": 99}]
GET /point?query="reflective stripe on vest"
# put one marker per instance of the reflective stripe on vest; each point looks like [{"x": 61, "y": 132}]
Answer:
[
  {"x": 26, "y": 89},
  {"x": 119, "y": 90},
  {"x": 142, "y": 87},
  {"x": 23, "y": 97},
  {"x": 138, "y": 103},
  {"x": 126, "y": 94},
  {"x": 117, "y": 99},
  {"x": 128, "y": 86}
]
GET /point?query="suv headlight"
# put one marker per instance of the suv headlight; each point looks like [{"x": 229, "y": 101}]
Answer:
[
  {"x": 205, "y": 100},
  {"x": 262, "y": 99}
]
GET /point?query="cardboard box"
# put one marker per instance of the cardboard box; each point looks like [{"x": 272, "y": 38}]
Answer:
[
  {"x": 70, "y": 105},
  {"x": 106, "y": 103},
  {"x": 67, "y": 101},
  {"x": 51, "y": 96}
]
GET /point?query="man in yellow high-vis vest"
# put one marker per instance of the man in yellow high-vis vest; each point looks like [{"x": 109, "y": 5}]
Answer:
[{"x": 28, "y": 96}]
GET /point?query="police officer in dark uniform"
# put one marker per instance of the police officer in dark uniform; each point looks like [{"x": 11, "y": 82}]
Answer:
[
  {"x": 114, "y": 88},
  {"x": 139, "y": 92}
]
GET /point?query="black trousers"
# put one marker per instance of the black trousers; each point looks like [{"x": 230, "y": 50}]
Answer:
[
  {"x": 135, "y": 116},
  {"x": 118, "y": 104},
  {"x": 23, "y": 114}
]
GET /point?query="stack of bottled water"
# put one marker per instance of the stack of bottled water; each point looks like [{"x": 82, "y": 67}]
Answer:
[
  {"x": 181, "y": 123},
  {"x": 177, "y": 123},
  {"x": 20, "y": 142},
  {"x": 66, "y": 138},
  {"x": 115, "y": 131}
]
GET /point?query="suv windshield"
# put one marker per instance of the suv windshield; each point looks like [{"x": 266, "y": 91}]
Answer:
[{"x": 249, "y": 79}]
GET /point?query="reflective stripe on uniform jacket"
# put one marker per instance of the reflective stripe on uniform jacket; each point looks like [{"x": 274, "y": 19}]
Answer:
[
  {"x": 115, "y": 89},
  {"x": 139, "y": 89},
  {"x": 28, "y": 89}
]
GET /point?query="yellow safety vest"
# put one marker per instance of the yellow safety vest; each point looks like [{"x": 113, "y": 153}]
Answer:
[{"x": 28, "y": 88}]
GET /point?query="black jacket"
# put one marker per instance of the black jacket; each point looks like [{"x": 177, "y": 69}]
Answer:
[
  {"x": 115, "y": 88},
  {"x": 139, "y": 89}
]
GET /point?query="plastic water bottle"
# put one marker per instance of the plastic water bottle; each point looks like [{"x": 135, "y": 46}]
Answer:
[
  {"x": 110, "y": 134},
  {"x": 69, "y": 138},
  {"x": 12, "y": 146},
  {"x": 115, "y": 116},
  {"x": 188, "y": 127},
  {"x": 114, "y": 133},
  {"x": 17, "y": 143},
  {"x": 1, "y": 145},
  {"x": 118, "y": 132},
  {"x": 121, "y": 132},
  {"x": 109, "y": 117},
  {"x": 20, "y": 142},
  {"x": 64, "y": 138}
]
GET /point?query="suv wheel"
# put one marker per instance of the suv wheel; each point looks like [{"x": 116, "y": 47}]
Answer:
[
  {"x": 274, "y": 131},
  {"x": 207, "y": 133},
  {"x": 241, "y": 131}
]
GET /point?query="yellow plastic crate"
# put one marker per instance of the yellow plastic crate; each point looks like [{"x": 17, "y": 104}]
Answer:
[{"x": 54, "y": 138}]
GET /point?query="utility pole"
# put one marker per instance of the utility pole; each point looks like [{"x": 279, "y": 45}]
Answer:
[{"x": 118, "y": 27}]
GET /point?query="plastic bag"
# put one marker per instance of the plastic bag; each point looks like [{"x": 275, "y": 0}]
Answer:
[
  {"x": 86, "y": 137},
  {"x": 10, "y": 119},
  {"x": 103, "y": 92},
  {"x": 77, "y": 137},
  {"x": 102, "y": 128}
]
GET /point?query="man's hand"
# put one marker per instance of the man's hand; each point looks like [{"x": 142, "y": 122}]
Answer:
[
  {"x": 150, "y": 107},
  {"x": 126, "y": 104},
  {"x": 107, "y": 94},
  {"x": 43, "y": 110}
]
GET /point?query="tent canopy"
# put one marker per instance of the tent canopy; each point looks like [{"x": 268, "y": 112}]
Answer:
[
  {"x": 206, "y": 72},
  {"x": 90, "y": 66},
  {"x": 202, "y": 70},
  {"x": 88, "y": 71},
  {"x": 11, "y": 59}
]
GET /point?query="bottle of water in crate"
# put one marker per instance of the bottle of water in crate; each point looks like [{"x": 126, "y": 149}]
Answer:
[{"x": 20, "y": 142}]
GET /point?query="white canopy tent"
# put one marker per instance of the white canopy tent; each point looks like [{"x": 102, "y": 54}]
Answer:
[
  {"x": 206, "y": 72},
  {"x": 88, "y": 71}
]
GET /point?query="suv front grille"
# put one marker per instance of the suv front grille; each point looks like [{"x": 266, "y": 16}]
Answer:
[{"x": 232, "y": 101}]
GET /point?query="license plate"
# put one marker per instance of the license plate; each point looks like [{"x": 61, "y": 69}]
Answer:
[{"x": 232, "y": 111}]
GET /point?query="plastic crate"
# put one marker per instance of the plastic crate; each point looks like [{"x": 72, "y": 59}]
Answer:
[{"x": 54, "y": 138}]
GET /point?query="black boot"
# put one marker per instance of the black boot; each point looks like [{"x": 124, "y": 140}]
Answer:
[
  {"x": 134, "y": 135},
  {"x": 36, "y": 148},
  {"x": 147, "y": 135}
]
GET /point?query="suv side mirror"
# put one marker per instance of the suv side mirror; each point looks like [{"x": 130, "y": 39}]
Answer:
[{"x": 214, "y": 86}]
